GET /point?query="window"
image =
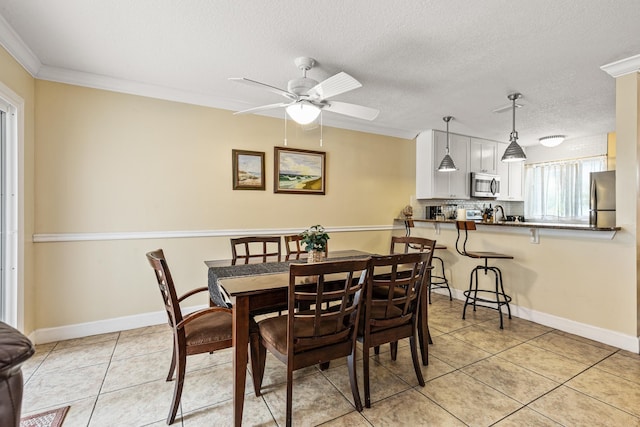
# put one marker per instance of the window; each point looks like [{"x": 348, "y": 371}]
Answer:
[{"x": 559, "y": 191}]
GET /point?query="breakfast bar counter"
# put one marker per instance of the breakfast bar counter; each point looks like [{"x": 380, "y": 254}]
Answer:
[
  {"x": 533, "y": 229},
  {"x": 527, "y": 224}
]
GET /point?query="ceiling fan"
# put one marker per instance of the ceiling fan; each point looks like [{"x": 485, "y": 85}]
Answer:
[{"x": 306, "y": 97}]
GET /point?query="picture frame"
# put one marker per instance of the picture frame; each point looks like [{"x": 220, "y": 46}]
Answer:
[
  {"x": 299, "y": 171},
  {"x": 248, "y": 170}
]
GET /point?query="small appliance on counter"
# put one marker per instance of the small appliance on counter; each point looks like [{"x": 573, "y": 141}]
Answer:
[{"x": 474, "y": 215}]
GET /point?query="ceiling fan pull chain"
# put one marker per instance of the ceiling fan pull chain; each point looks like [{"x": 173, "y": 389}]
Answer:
[
  {"x": 320, "y": 128},
  {"x": 285, "y": 128}
]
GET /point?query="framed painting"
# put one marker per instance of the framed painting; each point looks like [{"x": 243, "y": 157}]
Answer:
[
  {"x": 299, "y": 171},
  {"x": 248, "y": 170}
]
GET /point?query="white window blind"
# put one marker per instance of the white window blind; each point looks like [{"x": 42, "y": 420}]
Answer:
[{"x": 559, "y": 191}]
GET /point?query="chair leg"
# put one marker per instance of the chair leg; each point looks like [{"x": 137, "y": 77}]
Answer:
[
  {"x": 172, "y": 367},
  {"x": 351, "y": 364},
  {"x": 394, "y": 350},
  {"x": 177, "y": 390},
  {"x": 365, "y": 374},
  {"x": 289, "y": 392},
  {"x": 416, "y": 362},
  {"x": 376, "y": 350}
]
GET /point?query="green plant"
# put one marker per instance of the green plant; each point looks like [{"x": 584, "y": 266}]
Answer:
[{"x": 315, "y": 238}]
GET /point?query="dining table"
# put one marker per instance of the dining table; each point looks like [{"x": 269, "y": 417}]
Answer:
[{"x": 256, "y": 288}]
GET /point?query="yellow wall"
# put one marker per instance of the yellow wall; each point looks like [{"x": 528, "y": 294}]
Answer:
[
  {"x": 108, "y": 162},
  {"x": 611, "y": 151},
  {"x": 20, "y": 82}
]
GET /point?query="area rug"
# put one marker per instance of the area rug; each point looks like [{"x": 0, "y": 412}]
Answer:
[{"x": 51, "y": 418}]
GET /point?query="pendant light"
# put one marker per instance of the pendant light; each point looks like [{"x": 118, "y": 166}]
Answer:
[
  {"x": 447, "y": 165},
  {"x": 514, "y": 152}
]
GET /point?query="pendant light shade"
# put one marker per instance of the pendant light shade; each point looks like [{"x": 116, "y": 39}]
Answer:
[
  {"x": 447, "y": 165},
  {"x": 514, "y": 152},
  {"x": 303, "y": 113}
]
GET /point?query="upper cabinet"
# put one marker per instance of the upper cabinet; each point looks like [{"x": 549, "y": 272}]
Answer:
[
  {"x": 483, "y": 156},
  {"x": 430, "y": 149},
  {"x": 511, "y": 177}
]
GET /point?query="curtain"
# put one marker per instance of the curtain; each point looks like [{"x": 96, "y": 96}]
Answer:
[{"x": 559, "y": 191}]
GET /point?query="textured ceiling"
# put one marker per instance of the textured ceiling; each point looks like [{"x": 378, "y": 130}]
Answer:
[{"x": 418, "y": 60}]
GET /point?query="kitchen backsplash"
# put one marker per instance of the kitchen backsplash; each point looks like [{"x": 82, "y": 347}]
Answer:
[{"x": 420, "y": 206}]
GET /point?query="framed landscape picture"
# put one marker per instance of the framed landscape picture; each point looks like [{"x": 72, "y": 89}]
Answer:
[
  {"x": 299, "y": 171},
  {"x": 248, "y": 170}
]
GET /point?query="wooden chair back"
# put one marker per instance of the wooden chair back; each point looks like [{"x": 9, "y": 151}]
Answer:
[
  {"x": 410, "y": 244},
  {"x": 341, "y": 281},
  {"x": 167, "y": 289},
  {"x": 259, "y": 248},
  {"x": 461, "y": 247}
]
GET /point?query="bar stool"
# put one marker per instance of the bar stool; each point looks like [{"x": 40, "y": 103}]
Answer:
[
  {"x": 475, "y": 295},
  {"x": 436, "y": 282},
  {"x": 439, "y": 282}
]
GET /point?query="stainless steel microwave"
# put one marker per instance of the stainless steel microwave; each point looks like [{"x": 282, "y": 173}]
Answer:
[{"x": 485, "y": 185}]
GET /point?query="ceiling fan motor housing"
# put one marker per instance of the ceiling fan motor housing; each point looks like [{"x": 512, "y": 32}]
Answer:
[{"x": 301, "y": 85}]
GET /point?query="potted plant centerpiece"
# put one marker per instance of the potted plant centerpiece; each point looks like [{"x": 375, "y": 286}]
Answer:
[{"x": 314, "y": 240}]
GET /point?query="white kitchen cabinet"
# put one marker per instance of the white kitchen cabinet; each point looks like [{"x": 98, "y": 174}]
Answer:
[
  {"x": 511, "y": 177},
  {"x": 430, "y": 149},
  {"x": 483, "y": 156}
]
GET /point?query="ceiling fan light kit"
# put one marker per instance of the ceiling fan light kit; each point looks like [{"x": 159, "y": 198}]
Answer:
[
  {"x": 447, "y": 165},
  {"x": 303, "y": 113},
  {"x": 306, "y": 97},
  {"x": 551, "y": 141},
  {"x": 514, "y": 152}
]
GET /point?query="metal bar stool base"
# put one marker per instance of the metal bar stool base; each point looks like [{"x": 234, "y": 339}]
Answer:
[
  {"x": 487, "y": 298},
  {"x": 439, "y": 282}
]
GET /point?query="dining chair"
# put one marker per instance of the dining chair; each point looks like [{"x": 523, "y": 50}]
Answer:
[
  {"x": 202, "y": 331},
  {"x": 406, "y": 244},
  {"x": 293, "y": 247},
  {"x": 394, "y": 316},
  {"x": 254, "y": 247},
  {"x": 316, "y": 335}
]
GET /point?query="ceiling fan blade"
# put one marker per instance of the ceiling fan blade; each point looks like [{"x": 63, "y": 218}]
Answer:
[
  {"x": 353, "y": 110},
  {"x": 334, "y": 85},
  {"x": 270, "y": 88},
  {"x": 263, "y": 108}
]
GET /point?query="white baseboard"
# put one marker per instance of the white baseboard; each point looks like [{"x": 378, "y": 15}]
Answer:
[
  {"x": 42, "y": 336},
  {"x": 612, "y": 338},
  {"x": 605, "y": 336}
]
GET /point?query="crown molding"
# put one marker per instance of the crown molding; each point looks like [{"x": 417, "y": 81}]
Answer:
[
  {"x": 622, "y": 67},
  {"x": 17, "y": 48},
  {"x": 10, "y": 40}
]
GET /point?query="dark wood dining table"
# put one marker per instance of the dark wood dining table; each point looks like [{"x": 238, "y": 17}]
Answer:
[{"x": 256, "y": 288}]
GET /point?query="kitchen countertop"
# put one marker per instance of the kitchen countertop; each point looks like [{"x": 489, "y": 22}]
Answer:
[{"x": 526, "y": 224}]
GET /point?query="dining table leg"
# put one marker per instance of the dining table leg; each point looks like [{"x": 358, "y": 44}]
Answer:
[{"x": 240, "y": 357}]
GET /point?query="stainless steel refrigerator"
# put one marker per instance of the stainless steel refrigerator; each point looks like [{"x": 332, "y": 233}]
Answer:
[{"x": 602, "y": 200}]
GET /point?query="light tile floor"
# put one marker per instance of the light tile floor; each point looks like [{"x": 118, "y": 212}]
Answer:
[{"x": 478, "y": 375}]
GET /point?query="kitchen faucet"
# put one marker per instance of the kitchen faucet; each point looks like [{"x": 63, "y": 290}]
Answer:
[{"x": 496, "y": 218}]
